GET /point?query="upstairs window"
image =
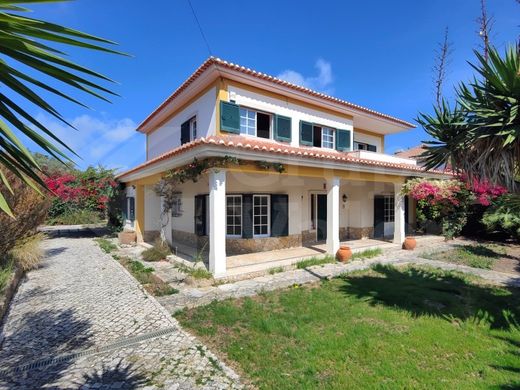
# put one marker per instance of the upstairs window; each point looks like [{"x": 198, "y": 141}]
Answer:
[
  {"x": 365, "y": 146},
  {"x": 255, "y": 123},
  {"x": 189, "y": 130},
  {"x": 323, "y": 137}
]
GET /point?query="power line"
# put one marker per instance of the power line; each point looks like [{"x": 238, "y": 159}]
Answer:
[{"x": 200, "y": 28}]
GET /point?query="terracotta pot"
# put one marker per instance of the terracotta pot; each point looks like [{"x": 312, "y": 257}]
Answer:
[
  {"x": 343, "y": 254},
  {"x": 409, "y": 243}
]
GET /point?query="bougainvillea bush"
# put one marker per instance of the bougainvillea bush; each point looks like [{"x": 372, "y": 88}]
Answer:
[
  {"x": 80, "y": 196},
  {"x": 447, "y": 202}
]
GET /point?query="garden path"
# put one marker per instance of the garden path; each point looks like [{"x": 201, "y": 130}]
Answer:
[{"x": 81, "y": 321}]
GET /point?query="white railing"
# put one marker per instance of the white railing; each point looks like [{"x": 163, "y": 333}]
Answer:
[{"x": 366, "y": 155}]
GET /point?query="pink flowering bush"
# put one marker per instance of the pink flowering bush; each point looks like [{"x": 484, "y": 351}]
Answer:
[
  {"x": 80, "y": 196},
  {"x": 442, "y": 202},
  {"x": 485, "y": 192}
]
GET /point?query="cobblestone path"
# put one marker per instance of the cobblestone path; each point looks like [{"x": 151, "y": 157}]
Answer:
[{"x": 81, "y": 321}]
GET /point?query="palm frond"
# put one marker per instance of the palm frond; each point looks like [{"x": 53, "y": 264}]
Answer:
[{"x": 29, "y": 41}]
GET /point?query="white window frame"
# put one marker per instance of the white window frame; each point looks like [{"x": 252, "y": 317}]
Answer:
[
  {"x": 333, "y": 131},
  {"x": 268, "y": 216},
  {"x": 193, "y": 128},
  {"x": 176, "y": 210},
  {"x": 255, "y": 111},
  {"x": 241, "y": 211},
  {"x": 389, "y": 208}
]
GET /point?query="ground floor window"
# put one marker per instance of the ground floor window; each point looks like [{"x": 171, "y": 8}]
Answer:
[
  {"x": 260, "y": 215},
  {"x": 389, "y": 208},
  {"x": 234, "y": 215}
]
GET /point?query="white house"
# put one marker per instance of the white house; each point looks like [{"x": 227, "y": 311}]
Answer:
[{"x": 337, "y": 183}]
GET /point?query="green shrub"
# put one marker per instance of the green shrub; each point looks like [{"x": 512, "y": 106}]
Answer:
[
  {"x": 6, "y": 270},
  {"x": 106, "y": 245},
  {"x": 76, "y": 217},
  {"x": 315, "y": 261},
  {"x": 157, "y": 252},
  {"x": 501, "y": 218}
]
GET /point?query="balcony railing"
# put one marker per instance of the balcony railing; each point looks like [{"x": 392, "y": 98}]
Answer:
[{"x": 374, "y": 156}]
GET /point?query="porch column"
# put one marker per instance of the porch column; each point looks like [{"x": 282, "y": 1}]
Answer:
[
  {"x": 166, "y": 219},
  {"x": 333, "y": 215},
  {"x": 217, "y": 222},
  {"x": 139, "y": 212},
  {"x": 399, "y": 220}
]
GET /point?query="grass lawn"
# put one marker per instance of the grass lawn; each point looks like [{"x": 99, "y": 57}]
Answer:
[
  {"x": 478, "y": 256},
  {"x": 382, "y": 328}
]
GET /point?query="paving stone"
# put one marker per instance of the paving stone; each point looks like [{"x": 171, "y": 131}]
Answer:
[{"x": 80, "y": 299}]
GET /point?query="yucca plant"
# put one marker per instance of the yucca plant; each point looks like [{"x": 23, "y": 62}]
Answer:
[
  {"x": 480, "y": 137},
  {"x": 27, "y": 42}
]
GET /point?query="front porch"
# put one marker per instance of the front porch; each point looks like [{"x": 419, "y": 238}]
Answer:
[
  {"x": 243, "y": 221},
  {"x": 258, "y": 263}
]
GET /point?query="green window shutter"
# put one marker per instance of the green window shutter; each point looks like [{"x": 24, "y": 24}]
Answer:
[
  {"x": 306, "y": 133},
  {"x": 279, "y": 215},
  {"x": 247, "y": 216},
  {"x": 282, "y": 128},
  {"x": 343, "y": 140},
  {"x": 229, "y": 117}
]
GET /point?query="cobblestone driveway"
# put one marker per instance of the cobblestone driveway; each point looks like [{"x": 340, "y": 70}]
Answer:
[{"x": 81, "y": 321}]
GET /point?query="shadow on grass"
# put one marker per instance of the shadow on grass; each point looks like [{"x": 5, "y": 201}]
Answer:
[
  {"x": 121, "y": 377},
  {"x": 437, "y": 293},
  {"x": 515, "y": 344}
]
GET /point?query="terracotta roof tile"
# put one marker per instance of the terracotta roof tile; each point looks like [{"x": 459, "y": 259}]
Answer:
[
  {"x": 274, "y": 147},
  {"x": 229, "y": 65}
]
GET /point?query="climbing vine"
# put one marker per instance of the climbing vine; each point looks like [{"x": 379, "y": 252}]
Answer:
[{"x": 167, "y": 186}]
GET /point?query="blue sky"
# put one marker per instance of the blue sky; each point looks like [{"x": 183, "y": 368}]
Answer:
[{"x": 374, "y": 53}]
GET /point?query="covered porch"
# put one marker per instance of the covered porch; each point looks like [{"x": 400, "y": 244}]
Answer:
[{"x": 309, "y": 212}]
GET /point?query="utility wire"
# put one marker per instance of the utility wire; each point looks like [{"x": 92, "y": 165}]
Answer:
[{"x": 200, "y": 28}]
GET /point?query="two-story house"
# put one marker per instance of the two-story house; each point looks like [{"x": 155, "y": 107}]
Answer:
[{"x": 337, "y": 183}]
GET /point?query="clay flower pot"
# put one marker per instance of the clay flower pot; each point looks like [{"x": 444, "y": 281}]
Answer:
[
  {"x": 343, "y": 254},
  {"x": 409, "y": 243}
]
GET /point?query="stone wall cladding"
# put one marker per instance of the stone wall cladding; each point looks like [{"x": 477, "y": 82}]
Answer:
[
  {"x": 343, "y": 233},
  {"x": 309, "y": 237},
  {"x": 239, "y": 246},
  {"x": 354, "y": 233},
  {"x": 151, "y": 235}
]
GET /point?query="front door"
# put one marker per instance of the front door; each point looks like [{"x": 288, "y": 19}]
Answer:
[{"x": 321, "y": 208}]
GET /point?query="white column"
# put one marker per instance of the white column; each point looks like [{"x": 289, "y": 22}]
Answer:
[
  {"x": 217, "y": 222},
  {"x": 166, "y": 218},
  {"x": 399, "y": 221},
  {"x": 333, "y": 215}
]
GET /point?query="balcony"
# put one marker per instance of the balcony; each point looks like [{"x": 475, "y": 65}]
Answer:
[{"x": 374, "y": 156}]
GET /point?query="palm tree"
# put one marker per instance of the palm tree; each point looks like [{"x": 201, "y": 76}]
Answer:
[
  {"x": 480, "y": 136},
  {"x": 26, "y": 43}
]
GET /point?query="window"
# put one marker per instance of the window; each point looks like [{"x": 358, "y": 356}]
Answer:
[
  {"x": 193, "y": 128},
  {"x": 364, "y": 146},
  {"x": 327, "y": 138},
  {"x": 389, "y": 208},
  {"x": 260, "y": 215},
  {"x": 324, "y": 137},
  {"x": 313, "y": 212},
  {"x": 247, "y": 121},
  {"x": 177, "y": 204},
  {"x": 234, "y": 215},
  {"x": 255, "y": 123}
]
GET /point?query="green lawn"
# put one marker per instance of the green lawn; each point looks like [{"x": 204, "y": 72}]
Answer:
[
  {"x": 383, "y": 328},
  {"x": 478, "y": 256}
]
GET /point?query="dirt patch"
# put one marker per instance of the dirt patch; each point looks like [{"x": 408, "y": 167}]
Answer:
[{"x": 510, "y": 262}]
